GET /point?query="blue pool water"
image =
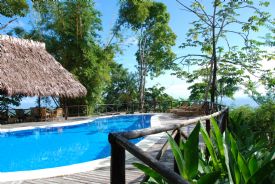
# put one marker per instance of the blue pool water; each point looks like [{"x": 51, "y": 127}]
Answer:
[{"x": 60, "y": 146}]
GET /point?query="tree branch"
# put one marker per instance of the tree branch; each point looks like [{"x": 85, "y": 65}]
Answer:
[
  {"x": 244, "y": 36},
  {"x": 208, "y": 16},
  {"x": 5, "y": 25},
  {"x": 191, "y": 55},
  {"x": 196, "y": 13}
]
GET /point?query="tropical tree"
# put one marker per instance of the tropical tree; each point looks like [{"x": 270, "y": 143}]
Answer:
[
  {"x": 267, "y": 79},
  {"x": 223, "y": 63},
  {"x": 122, "y": 88},
  {"x": 149, "y": 20},
  {"x": 11, "y": 10},
  {"x": 70, "y": 30},
  {"x": 156, "y": 95},
  {"x": 5, "y": 101}
]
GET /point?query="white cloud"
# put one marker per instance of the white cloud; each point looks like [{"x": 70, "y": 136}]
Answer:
[
  {"x": 178, "y": 90},
  {"x": 174, "y": 86}
]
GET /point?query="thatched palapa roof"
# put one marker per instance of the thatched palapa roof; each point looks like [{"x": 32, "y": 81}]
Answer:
[{"x": 27, "y": 68}]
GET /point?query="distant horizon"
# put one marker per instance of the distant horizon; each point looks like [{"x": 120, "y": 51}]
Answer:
[{"x": 29, "y": 102}]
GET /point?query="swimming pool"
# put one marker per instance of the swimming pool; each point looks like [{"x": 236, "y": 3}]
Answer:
[{"x": 52, "y": 147}]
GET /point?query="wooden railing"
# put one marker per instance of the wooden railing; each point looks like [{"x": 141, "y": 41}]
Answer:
[
  {"x": 120, "y": 143},
  {"x": 13, "y": 115},
  {"x": 76, "y": 110},
  {"x": 151, "y": 106}
]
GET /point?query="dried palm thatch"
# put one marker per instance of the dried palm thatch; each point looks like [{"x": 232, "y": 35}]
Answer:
[{"x": 27, "y": 68}]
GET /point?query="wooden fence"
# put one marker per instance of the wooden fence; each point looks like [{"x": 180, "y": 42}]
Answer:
[{"x": 120, "y": 143}]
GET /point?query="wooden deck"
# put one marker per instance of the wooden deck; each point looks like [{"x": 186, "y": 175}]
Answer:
[{"x": 102, "y": 175}]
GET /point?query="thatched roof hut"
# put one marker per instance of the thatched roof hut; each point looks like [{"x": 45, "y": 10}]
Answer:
[{"x": 27, "y": 68}]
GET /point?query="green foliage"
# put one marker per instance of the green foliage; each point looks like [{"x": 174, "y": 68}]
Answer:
[
  {"x": 221, "y": 65},
  {"x": 197, "y": 91},
  {"x": 156, "y": 99},
  {"x": 122, "y": 88},
  {"x": 134, "y": 12},
  {"x": 6, "y": 101},
  {"x": 11, "y": 8},
  {"x": 268, "y": 81},
  {"x": 226, "y": 163},
  {"x": 250, "y": 169},
  {"x": 69, "y": 29},
  {"x": 149, "y": 20},
  {"x": 253, "y": 126}
]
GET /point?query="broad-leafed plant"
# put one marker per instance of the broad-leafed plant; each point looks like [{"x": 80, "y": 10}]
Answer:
[{"x": 225, "y": 163}]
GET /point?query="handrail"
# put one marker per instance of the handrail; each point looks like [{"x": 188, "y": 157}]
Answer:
[
  {"x": 120, "y": 143},
  {"x": 76, "y": 110},
  {"x": 149, "y": 106},
  {"x": 149, "y": 131}
]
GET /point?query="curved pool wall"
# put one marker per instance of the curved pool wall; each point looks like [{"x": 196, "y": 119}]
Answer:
[{"x": 57, "y": 146}]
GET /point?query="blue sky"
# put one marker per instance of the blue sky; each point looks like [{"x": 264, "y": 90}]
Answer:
[{"x": 180, "y": 22}]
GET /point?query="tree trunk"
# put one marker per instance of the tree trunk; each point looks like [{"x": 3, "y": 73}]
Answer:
[
  {"x": 214, "y": 56},
  {"x": 143, "y": 70},
  {"x": 141, "y": 91},
  {"x": 209, "y": 81}
]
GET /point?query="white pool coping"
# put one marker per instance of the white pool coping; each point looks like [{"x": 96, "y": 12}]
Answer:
[{"x": 145, "y": 144}]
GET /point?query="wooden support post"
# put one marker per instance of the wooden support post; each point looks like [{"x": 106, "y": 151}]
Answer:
[
  {"x": 208, "y": 127},
  {"x": 117, "y": 162},
  {"x": 226, "y": 119},
  {"x": 66, "y": 112},
  {"x": 177, "y": 139},
  {"x": 78, "y": 110},
  {"x": 39, "y": 109},
  {"x": 66, "y": 109}
]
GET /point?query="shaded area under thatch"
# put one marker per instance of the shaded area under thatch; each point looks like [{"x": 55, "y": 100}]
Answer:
[{"x": 27, "y": 68}]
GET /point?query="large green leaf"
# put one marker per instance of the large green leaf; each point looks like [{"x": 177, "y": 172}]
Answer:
[
  {"x": 252, "y": 165},
  {"x": 178, "y": 157},
  {"x": 233, "y": 147},
  {"x": 150, "y": 172},
  {"x": 262, "y": 173},
  {"x": 243, "y": 167},
  {"x": 210, "y": 147},
  {"x": 218, "y": 136},
  {"x": 237, "y": 175},
  {"x": 228, "y": 158},
  {"x": 209, "y": 178},
  {"x": 191, "y": 153}
]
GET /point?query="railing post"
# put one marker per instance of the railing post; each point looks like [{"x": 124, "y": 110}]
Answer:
[
  {"x": 66, "y": 112},
  {"x": 78, "y": 110},
  {"x": 207, "y": 122},
  {"x": 177, "y": 139},
  {"x": 117, "y": 162},
  {"x": 226, "y": 119}
]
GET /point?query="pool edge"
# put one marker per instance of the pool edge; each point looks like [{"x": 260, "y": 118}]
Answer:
[{"x": 145, "y": 144}]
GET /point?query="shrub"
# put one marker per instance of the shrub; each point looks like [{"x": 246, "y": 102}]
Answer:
[{"x": 226, "y": 163}]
